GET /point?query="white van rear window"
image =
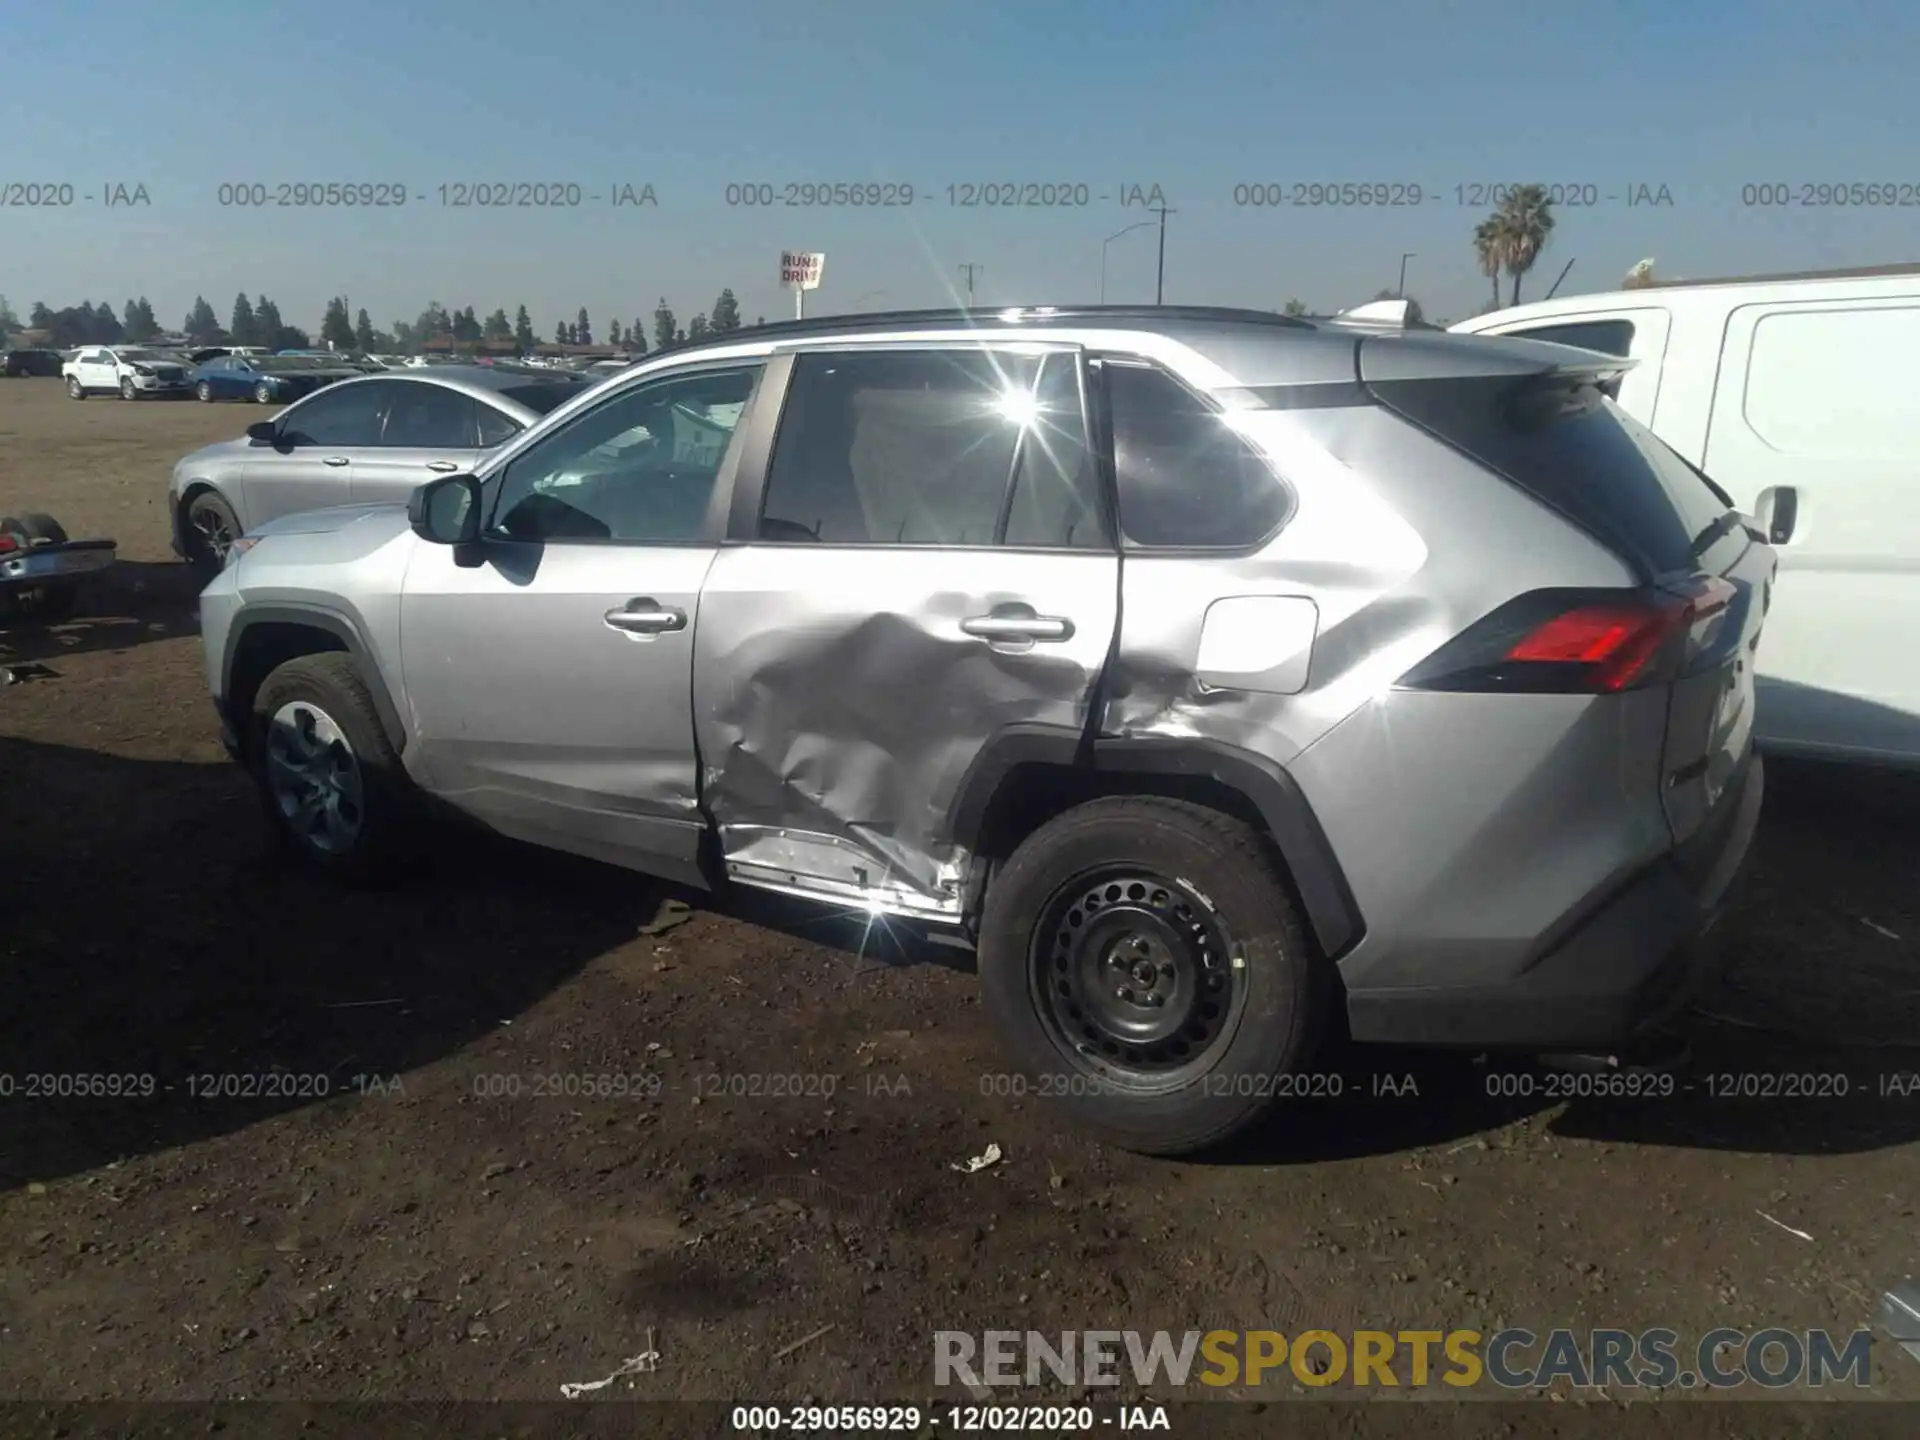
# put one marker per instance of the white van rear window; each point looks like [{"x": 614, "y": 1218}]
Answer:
[{"x": 1836, "y": 382}]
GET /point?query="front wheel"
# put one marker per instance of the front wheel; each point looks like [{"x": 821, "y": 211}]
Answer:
[
  {"x": 332, "y": 785},
  {"x": 75, "y": 390},
  {"x": 127, "y": 391},
  {"x": 263, "y": 393},
  {"x": 1143, "y": 961},
  {"x": 211, "y": 529},
  {"x": 205, "y": 391}
]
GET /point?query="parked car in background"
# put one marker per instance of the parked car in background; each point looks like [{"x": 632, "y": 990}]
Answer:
[
  {"x": 205, "y": 353},
  {"x": 130, "y": 371},
  {"x": 1795, "y": 394},
  {"x": 1330, "y": 668},
  {"x": 33, "y": 362},
  {"x": 265, "y": 379},
  {"x": 362, "y": 437}
]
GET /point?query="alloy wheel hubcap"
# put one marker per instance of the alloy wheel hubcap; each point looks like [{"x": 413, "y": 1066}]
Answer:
[
  {"x": 314, "y": 777},
  {"x": 211, "y": 526},
  {"x": 1134, "y": 976}
]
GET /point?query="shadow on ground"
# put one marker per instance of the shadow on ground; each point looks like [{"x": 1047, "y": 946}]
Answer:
[
  {"x": 136, "y": 602},
  {"x": 149, "y": 929}
]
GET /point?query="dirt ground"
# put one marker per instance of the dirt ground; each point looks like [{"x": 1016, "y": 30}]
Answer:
[{"x": 442, "y": 1201}]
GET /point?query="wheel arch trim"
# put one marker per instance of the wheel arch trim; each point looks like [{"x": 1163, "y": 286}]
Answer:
[
  {"x": 342, "y": 628},
  {"x": 1332, "y": 913}
]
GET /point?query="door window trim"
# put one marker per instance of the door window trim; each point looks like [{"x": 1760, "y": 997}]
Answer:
[
  {"x": 743, "y": 521},
  {"x": 713, "y": 527}
]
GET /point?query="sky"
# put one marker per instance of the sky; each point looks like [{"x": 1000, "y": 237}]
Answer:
[{"x": 1217, "y": 103}]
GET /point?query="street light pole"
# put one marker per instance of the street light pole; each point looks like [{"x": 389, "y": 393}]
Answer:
[
  {"x": 968, "y": 270},
  {"x": 1409, "y": 255},
  {"x": 1137, "y": 225},
  {"x": 1160, "y": 279}
]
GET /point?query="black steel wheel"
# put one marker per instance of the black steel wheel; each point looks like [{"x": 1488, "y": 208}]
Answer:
[
  {"x": 1134, "y": 977},
  {"x": 1145, "y": 966}
]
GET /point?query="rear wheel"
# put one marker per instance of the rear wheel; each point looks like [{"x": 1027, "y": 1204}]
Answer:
[
  {"x": 332, "y": 786},
  {"x": 211, "y": 528},
  {"x": 1143, "y": 961}
]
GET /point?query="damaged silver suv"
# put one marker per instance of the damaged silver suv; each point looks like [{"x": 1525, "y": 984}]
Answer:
[{"x": 1224, "y": 677}]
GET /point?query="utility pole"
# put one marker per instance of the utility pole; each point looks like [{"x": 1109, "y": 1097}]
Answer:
[
  {"x": 1160, "y": 278},
  {"x": 968, "y": 270},
  {"x": 1401, "y": 291}
]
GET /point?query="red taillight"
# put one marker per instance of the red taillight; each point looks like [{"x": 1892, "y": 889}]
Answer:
[
  {"x": 1616, "y": 640},
  {"x": 1573, "y": 641},
  {"x": 7, "y": 542}
]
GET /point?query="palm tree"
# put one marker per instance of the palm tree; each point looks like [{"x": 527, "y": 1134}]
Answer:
[
  {"x": 1525, "y": 224},
  {"x": 1489, "y": 245}
]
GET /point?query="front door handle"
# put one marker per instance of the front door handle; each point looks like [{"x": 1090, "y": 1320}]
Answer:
[
  {"x": 1018, "y": 622},
  {"x": 646, "y": 617},
  {"x": 442, "y": 467},
  {"x": 334, "y": 460}
]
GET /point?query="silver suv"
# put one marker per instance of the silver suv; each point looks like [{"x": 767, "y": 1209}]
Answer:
[{"x": 1220, "y": 675}]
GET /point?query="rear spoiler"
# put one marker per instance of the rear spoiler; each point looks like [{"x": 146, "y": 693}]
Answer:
[{"x": 1386, "y": 356}]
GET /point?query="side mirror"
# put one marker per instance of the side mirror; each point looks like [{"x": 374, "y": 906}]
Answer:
[
  {"x": 263, "y": 432},
  {"x": 446, "y": 511}
]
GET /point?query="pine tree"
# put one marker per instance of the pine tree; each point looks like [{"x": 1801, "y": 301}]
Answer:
[{"x": 726, "y": 314}]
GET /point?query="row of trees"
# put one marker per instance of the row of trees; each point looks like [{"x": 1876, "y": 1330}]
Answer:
[{"x": 257, "y": 321}]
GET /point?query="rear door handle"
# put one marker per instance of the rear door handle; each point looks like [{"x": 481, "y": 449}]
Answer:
[
  {"x": 334, "y": 460},
  {"x": 1018, "y": 622},
  {"x": 443, "y": 467},
  {"x": 646, "y": 617}
]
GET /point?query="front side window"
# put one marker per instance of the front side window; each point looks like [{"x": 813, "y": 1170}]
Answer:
[
  {"x": 428, "y": 417},
  {"x": 338, "y": 417},
  {"x": 1185, "y": 478},
  {"x": 933, "y": 447},
  {"x": 640, "y": 467}
]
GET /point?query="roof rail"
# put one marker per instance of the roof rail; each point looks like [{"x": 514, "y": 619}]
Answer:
[{"x": 997, "y": 315}]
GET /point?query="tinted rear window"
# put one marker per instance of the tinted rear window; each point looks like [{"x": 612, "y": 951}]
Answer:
[
  {"x": 541, "y": 398},
  {"x": 1609, "y": 337},
  {"x": 1569, "y": 445}
]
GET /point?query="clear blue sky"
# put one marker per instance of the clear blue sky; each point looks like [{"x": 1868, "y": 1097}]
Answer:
[{"x": 1196, "y": 96}]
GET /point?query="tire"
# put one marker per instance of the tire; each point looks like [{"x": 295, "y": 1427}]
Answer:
[
  {"x": 127, "y": 392},
  {"x": 263, "y": 394},
  {"x": 210, "y": 526},
  {"x": 324, "y": 709},
  {"x": 1159, "y": 898},
  {"x": 205, "y": 391},
  {"x": 75, "y": 389}
]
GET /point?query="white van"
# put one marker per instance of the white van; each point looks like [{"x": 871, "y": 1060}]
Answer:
[{"x": 1800, "y": 397}]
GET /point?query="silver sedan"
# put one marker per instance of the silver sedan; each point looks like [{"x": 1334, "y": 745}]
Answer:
[{"x": 373, "y": 439}]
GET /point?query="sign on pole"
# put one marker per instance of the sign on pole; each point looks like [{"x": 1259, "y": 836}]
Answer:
[{"x": 800, "y": 272}]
